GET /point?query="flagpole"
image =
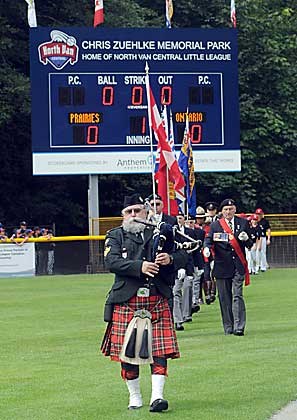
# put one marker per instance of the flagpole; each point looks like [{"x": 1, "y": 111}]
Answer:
[
  {"x": 168, "y": 191},
  {"x": 147, "y": 85},
  {"x": 165, "y": 122},
  {"x": 188, "y": 180}
]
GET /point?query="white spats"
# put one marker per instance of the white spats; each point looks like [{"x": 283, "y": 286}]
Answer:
[
  {"x": 135, "y": 399},
  {"x": 158, "y": 382}
]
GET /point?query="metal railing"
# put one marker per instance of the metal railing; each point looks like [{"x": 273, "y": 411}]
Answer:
[
  {"x": 85, "y": 254},
  {"x": 278, "y": 222}
]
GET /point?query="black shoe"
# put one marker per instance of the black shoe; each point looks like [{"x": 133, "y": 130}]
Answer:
[
  {"x": 195, "y": 309},
  {"x": 207, "y": 300},
  {"x": 212, "y": 298},
  {"x": 158, "y": 405},
  {"x": 188, "y": 320},
  {"x": 239, "y": 332},
  {"x": 179, "y": 327},
  {"x": 228, "y": 332}
]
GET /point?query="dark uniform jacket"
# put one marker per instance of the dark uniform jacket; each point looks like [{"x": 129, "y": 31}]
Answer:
[
  {"x": 189, "y": 267},
  {"x": 264, "y": 226},
  {"x": 226, "y": 259},
  {"x": 169, "y": 219},
  {"x": 124, "y": 253},
  {"x": 255, "y": 233},
  {"x": 199, "y": 234}
]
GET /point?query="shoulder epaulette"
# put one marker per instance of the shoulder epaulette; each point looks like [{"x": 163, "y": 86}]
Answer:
[{"x": 113, "y": 229}]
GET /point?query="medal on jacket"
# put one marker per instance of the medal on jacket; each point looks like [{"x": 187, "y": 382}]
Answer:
[
  {"x": 124, "y": 253},
  {"x": 220, "y": 237}
]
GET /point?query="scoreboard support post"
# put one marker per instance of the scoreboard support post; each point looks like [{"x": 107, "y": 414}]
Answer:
[
  {"x": 93, "y": 212},
  {"x": 93, "y": 203}
]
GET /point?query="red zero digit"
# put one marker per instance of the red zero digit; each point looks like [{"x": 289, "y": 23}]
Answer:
[
  {"x": 166, "y": 95},
  {"x": 137, "y": 94},
  {"x": 196, "y": 133},
  {"x": 107, "y": 95},
  {"x": 92, "y": 134}
]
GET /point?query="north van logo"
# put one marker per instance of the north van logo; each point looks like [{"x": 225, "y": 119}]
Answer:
[{"x": 59, "y": 51}]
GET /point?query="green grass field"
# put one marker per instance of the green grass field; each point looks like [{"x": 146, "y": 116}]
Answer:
[{"x": 52, "y": 369}]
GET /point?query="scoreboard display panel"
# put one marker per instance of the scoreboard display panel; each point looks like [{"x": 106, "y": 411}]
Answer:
[{"x": 89, "y": 99}]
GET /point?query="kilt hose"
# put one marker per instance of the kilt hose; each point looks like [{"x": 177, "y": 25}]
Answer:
[{"x": 164, "y": 342}]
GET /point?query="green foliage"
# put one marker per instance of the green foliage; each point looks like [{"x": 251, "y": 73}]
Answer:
[{"x": 267, "y": 80}]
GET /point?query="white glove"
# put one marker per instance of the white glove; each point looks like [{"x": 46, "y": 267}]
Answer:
[
  {"x": 181, "y": 274},
  {"x": 197, "y": 271},
  {"x": 206, "y": 252},
  {"x": 243, "y": 236}
]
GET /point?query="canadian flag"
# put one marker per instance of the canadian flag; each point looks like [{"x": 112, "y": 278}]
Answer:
[
  {"x": 99, "y": 13},
  {"x": 158, "y": 128},
  {"x": 168, "y": 160}
]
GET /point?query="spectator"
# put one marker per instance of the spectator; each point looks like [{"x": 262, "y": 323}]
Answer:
[
  {"x": 37, "y": 234},
  {"x": 3, "y": 236},
  {"x": 21, "y": 232},
  {"x": 51, "y": 253},
  {"x": 43, "y": 253},
  {"x": 255, "y": 251},
  {"x": 266, "y": 237}
]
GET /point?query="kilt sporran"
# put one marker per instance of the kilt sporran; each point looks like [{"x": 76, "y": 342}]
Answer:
[{"x": 163, "y": 342}]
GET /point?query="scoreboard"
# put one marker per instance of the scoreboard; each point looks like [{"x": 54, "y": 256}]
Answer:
[{"x": 89, "y": 101}]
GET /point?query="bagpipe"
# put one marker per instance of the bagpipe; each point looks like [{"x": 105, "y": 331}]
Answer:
[{"x": 165, "y": 238}]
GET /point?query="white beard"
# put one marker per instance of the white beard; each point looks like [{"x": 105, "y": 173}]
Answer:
[{"x": 132, "y": 227}]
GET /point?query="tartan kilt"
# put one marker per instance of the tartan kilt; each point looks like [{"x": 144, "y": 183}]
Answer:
[{"x": 164, "y": 342}]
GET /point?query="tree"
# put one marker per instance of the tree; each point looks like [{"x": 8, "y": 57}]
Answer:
[{"x": 267, "y": 79}]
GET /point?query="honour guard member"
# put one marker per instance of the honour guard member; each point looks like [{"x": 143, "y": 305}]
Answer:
[
  {"x": 212, "y": 210},
  {"x": 229, "y": 236},
  {"x": 140, "y": 327},
  {"x": 198, "y": 261},
  {"x": 155, "y": 200},
  {"x": 182, "y": 290}
]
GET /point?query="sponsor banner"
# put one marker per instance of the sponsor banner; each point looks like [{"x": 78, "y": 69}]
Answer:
[
  {"x": 124, "y": 163},
  {"x": 17, "y": 260}
]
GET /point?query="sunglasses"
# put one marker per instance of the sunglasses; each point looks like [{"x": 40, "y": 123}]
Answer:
[{"x": 130, "y": 211}]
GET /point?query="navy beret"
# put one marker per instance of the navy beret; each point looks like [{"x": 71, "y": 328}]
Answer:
[{"x": 227, "y": 202}]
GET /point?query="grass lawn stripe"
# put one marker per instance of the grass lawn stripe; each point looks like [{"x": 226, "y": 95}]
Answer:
[{"x": 52, "y": 369}]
